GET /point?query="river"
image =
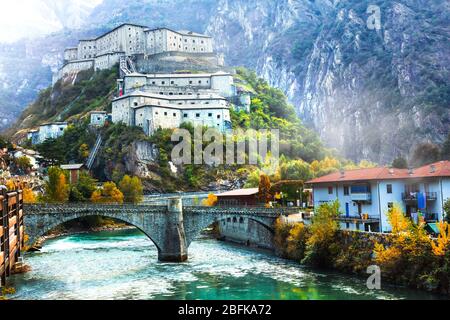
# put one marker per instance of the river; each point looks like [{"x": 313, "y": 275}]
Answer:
[{"x": 123, "y": 265}]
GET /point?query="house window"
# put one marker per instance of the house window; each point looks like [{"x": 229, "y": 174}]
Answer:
[
  {"x": 346, "y": 191},
  {"x": 389, "y": 188},
  {"x": 330, "y": 190}
]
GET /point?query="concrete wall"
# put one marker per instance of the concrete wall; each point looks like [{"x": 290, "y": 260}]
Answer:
[{"x": 246, "y": 231}]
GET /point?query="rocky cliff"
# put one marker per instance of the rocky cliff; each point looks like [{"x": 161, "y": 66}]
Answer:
[{"x": 370, "y": 92}]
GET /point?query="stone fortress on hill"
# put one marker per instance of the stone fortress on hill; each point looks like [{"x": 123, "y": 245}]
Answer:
[{"x": 166, "y": 78}]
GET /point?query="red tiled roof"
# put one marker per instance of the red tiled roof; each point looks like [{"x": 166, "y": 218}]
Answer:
[
  {"x": 437, "y": 169},
  {"x": 239, "y": 192}
]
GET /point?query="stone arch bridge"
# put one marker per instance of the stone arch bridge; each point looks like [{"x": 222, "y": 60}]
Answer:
[{"x": 172, "y": 228}]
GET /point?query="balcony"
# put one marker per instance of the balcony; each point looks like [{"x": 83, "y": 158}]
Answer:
[
  {"x": 366, "y": 196},
  {"x": 361, "y": 193},
  {"x": 412, "y": 196}
]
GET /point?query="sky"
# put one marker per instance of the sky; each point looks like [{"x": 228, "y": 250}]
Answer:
[{"x": 31, "y": 18}]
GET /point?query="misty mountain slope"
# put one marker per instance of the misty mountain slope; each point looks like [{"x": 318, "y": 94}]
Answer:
[{"x": 371, "y": 94}]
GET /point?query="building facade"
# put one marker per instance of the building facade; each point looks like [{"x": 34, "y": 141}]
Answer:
[
  {"x": 220, "y": 83},
  {"x": 366, "y": 195},
  {"x": 98, "y": 118},
  {"x": 105, "y": 51},
  {"x": 152, "y": 111},
  {"x": 47, "y": 131}
]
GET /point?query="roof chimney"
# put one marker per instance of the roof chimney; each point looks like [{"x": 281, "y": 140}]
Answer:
[
  {"x": 391, "y": 171},
  {"x": 432, "y": 168},
  {"x": 342, "y": 171},
  {"x": 410, "y": 171}
]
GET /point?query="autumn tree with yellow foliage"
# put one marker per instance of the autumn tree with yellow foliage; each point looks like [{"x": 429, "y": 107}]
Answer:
[
  {"x": 109, "y": 193},
  {"x": 56, "y": 187},
  {"x": 211, "y": 201}
]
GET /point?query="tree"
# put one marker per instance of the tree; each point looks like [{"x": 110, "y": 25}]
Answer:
[
  {"x": 425, "y": 153},
  {"x": 132, "y": 189},
  {"x": 28, "y": 195},
  {"x": 56, "y": 188},
  {"x": 296, "y": 170},
  {"x": 86, "y": 185},
  {"x": 83, "y": 151},
  {"x": 400, "y": 163},
  {"x": 211, "y": 201},
  {"x": 264, "y": 193},
  {"x": 23, "y": 163},
  {"x": 447, "y": 209},
  {"x": 108, "y": 194},
  {"x": 321, "y": 246},
  {"x": 445, "y": 152}
]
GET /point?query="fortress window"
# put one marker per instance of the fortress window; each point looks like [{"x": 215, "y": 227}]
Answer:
[
  {"x": 228, "y": 219},
  {"x": 193, "y": 41},
  {"x": 170, "y": 93},
  {"x": 135, "y": 104},
  {"x": 172, "y": 82},
  {"x": 197, "y": 115},
  {"x": 165, "y": 113},
  {"x": 156, "y": 112},
  {"x": 185, "y": 48},
  {"x": 174, "y": 114},
  {"x": 234, "y": 219},
  {"x": 203, "y": 42},
  {"x": 200, "y": 82},
  {"x": 185, "y": 115},
  {"x": 163, "y": 82},
  {"x": 190, "y": 82},
  {"x": 192, "y": 102},
  {"x": 209, "y": 114},
  {"x": 185, "y": 40},
  {"x": 153, "y": 82},
  {"x": 218, "y": 116}
]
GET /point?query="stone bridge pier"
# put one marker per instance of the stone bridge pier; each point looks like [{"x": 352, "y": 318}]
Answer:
[{"x": 173, "y": 241}]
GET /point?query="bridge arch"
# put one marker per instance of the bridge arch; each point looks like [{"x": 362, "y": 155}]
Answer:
[
  {"x": 196, "y": 223},
  {"x": 34, "y": 236}
]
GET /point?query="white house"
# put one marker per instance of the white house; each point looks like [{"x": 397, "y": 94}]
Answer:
[
  {"x": 373, "y": 191},
  {"x": 98, "y": 118},
  {"x": 47, "y": 131}
]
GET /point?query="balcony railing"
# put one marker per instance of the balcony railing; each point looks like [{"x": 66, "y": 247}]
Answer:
[
  {"x": 365, "y": 196},
  {"x": 413, "y": 196}
]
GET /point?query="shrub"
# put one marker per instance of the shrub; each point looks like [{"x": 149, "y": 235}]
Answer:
[{"x": 322, "y": 247}]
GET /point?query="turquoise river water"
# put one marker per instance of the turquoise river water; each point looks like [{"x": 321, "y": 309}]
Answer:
[{"x": 123, "y": 265}]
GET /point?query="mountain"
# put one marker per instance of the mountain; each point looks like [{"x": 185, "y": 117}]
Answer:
[
  {"x": 371, "y": 94},
  {"x": 28, "y": 19}
]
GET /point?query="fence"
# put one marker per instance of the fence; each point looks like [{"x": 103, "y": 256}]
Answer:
[{"x": 11, "y": 232}]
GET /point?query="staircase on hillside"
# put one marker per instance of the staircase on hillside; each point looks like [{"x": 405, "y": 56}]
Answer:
[
  {"x": 127, "y": 65},
  {"x": 91, "y": 159}
]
